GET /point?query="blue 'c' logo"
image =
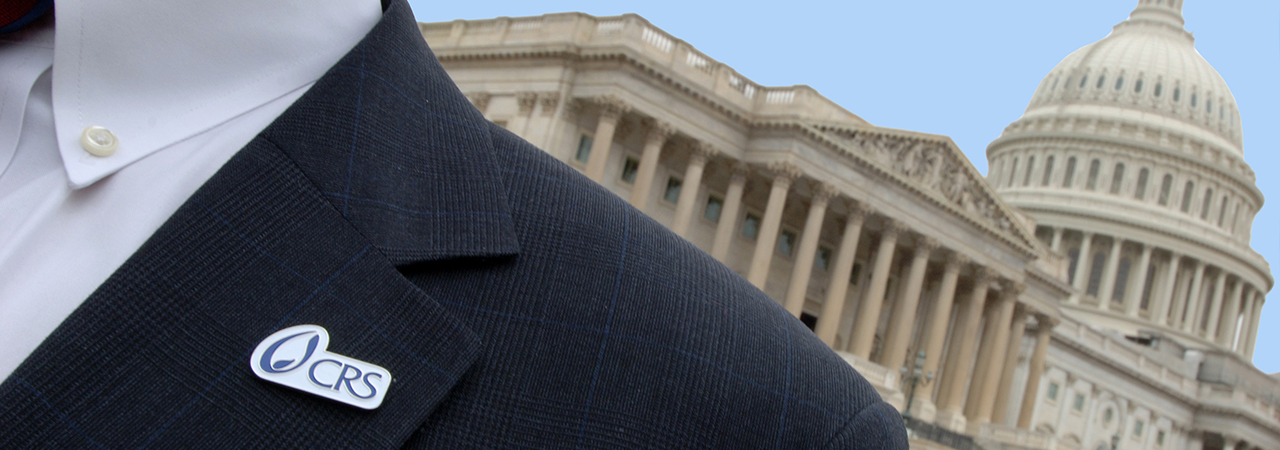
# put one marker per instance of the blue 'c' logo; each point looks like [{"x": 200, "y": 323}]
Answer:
[{"x": 286, "y": 365}]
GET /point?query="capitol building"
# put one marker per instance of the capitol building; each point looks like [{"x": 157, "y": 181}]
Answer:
[{"x": 1095, "y": 290}]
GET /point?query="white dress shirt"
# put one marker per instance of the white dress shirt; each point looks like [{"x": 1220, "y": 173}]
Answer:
[{"x": 182, "y": 86}]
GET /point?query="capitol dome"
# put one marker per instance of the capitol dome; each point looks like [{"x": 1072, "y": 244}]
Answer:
[
  {"x": 1130, "y": 160},
  {"x": 1146, "y": 70}
]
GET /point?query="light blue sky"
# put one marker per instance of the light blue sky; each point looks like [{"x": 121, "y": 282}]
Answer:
[{"x": 963, "y": 69}]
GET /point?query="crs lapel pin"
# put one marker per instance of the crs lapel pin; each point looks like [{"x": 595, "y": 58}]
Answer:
[{"x": 297, "y": 357}]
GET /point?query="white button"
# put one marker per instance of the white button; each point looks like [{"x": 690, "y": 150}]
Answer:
[{"x": 99, "y": 141}]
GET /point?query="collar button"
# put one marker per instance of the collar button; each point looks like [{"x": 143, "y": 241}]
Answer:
[{"x": 99, "y": 141}]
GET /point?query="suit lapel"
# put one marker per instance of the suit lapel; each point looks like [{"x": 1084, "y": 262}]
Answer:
[{"x": 303, "y": 226}]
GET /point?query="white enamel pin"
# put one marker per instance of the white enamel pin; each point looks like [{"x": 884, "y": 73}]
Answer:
[{"x": 298, "y": 357}]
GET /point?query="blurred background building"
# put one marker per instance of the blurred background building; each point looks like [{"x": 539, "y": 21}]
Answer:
[{"x": 1095, "y": 291}]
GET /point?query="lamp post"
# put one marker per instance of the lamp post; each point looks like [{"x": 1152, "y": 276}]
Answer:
[{"x": 912, "y": 378}]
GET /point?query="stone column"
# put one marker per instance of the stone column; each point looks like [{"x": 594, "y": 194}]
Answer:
[
  {"x": 1082, "y": 268},
  {"x": 702, "y": 152},
  {"x": 1166, "y": 297},
  {"x": 1003, "y": 388},
  {"x": 799, "y": 283},
  {"x": 936, "y": 337},
  {"x": 1035, "y": 371},
  {"x": 1194, "y": 297},
  {"x": 1138, "y": 283},
  {"x": 659, "y": 132},
  {"x": 1109, "y": 274},
  {"x": 1255, "y": 316},
  {"x": 949, "y": 408},
  {"x": 1215, "y": 306},
  {"x": 1056, "y": 244},
  {"x": 728, "y": 225},
  {"x": 783, "y": 174},
  {"x": 991, "y": 380},
  {"x": 902, "y": 323},
  {"x": 611, "y": 109},
  {"x": 864, "y": 325},
  {"x": 837, "y": 291},
  {"x": 1230, "y": 312},
  {"x": 520, "y": 123}
]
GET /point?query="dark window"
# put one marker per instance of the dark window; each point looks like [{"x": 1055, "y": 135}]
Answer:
[
  {"x": 1158, "y": 89},
  {"x": 1137, "y": 87},
  {"x": 1083, "y": 80},
  {"x": 672, "y": 194},
  {"x": 1193, "y": 99},
  {"x": 1204, "y": 206},
  {"x": 786, "y": 242},
  {"x": 712, "y": 211},
  {"x": 1031, "y": 163},
  {"x": 1117, "y": 178},
  {"x": 629, "y": 170},
  {"x": 1101, "y": 80},
  {"x": 1222, "y": 211},
  {"x": 1119, "y": 83},
  {"x": 584, "y": 149},
  {"x": 1048, "y": 171},
  {"x": 1055, "y": 83},
  {"x": 854, "y": 273},
  {"x": 1208, "y": 106},
  {"x": 1052, "y": 392},
  {"x": 823, "y": 258},
  {"x": 1074, "y": 256},
  {"x": 1140, "y": 190},
  {"x": 1095, "y": 273},
  {"x": 1146, "y": 287},
  {"x": 1165, "y": 186},
  {"x": 1186, "y": 196},
  {"x": 1013, "y": 172},
  {"x": 1071, "y": 172},
  {"x": 1177, "y": 94},
  {"x": 1092, "y": 182},
  {"x": 751, "y": 226},
  {"x": 809, "y": 320},
  {"x": 1122, "y": 279}
]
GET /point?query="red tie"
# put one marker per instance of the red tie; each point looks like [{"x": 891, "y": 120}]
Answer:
[{"x": 15, "y": 14}]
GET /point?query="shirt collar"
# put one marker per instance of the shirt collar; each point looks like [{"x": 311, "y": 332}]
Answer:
[{"x": 157, "y": 72}]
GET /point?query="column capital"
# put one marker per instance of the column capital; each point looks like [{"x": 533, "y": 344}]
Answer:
[
  {"x": 659, "y": 131},
  {"x": 739, "y": 169},
  {"x": 859, "y": 210},
  {"x": 894, "y": 228},
  {"x": 549, "y": 100},
  {"x": 702, "y": 152},
  {"x": 1045, "y": 322},
  {"x": 957, "y": 260},
  {"x": 983, "y": 275},
  {"x": 823, "y": 192},
  {"x": 526, "y": 100},
  {"x": 611, "y": 106},
  {"x": 782, "y": 171},
  {"x": 926, "y": 244},
  {"x": 480, "y": 100},
  {"x": 1012, "y": 288}
]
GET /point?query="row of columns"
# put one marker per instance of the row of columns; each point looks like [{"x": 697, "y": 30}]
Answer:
[
  {"x": 991, "y": 371},
  {"x": 1177, "y": 301}
]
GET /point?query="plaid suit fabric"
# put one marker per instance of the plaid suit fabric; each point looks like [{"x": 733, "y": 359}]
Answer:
[{"x": 516, "y": 303}]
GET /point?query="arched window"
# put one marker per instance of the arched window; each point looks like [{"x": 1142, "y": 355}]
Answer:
[
  {"x": 1119, "y": 83},
  {"x": 1222, "y": 211},
  {"x": 1055, "y": 83},
  {"x": 1092, "y": 182},
  {"x": 1193, "y": 99},
  {"x": 1158, "y": 89},
  {"x": 1101, "y": 80},
  {"x": 1084, "y": 79},
  {"x": 1071, "y": 172},
  {"x": 1177, "y": 94},
  {"x": 1122, "y": 279},
  {"x": 1140, "y": 190},
  {"x": 1048, "y": 171},
  {"x": 1165, "y": 186},
  {"x": 1186, "y": 196},
  {"x": 1013, "y": 172},
  {"x": 1149, "y": 280},
  {"x": 1137, "y": 86},
  {"x": 1204, "y": 206},
  {"x": 1031, "y": 164},
  {"x": 1208, "y": 106},
  {"x": 1095, "y": 273},
  {"x": 1117, "y": 178}
]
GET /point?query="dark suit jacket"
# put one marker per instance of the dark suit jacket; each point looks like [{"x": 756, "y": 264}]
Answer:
[{"x": 516, "y": 303}]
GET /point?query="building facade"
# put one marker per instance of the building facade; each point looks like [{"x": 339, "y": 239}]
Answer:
[{"x": 888, "y": 243}]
